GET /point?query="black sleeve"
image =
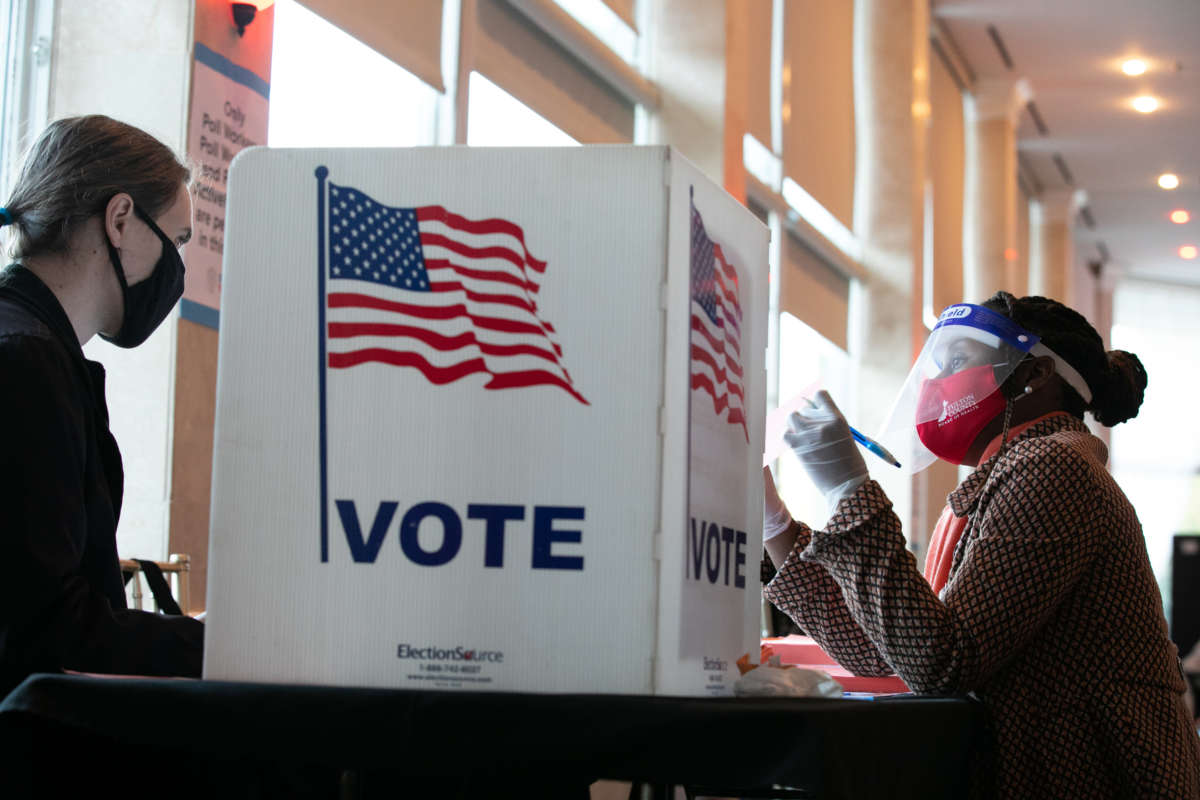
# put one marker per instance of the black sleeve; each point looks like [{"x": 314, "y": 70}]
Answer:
[{"x": 51, "y": 616}]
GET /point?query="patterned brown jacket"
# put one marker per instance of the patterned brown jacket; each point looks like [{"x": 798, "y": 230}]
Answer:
[{"x": 1051, "y": 617}]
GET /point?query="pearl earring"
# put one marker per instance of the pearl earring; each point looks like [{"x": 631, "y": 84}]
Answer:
[{"x": 1028, "y": 390}]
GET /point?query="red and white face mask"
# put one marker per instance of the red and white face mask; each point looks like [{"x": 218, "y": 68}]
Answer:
[
  {"x": 953, "y": 389},
  {"x": 956, "y": 409}
]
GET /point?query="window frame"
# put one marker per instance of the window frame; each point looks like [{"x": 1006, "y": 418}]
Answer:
[{"x": 27, "y": 57}]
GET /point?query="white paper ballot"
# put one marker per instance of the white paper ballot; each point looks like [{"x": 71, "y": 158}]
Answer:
[{"x": 777, "y": 422}]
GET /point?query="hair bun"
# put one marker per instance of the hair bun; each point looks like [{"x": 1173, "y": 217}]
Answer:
[{"x": 1122, "y": 389}]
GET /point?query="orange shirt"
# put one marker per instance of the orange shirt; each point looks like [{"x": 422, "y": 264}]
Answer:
[{"x": 949, "y": 528}]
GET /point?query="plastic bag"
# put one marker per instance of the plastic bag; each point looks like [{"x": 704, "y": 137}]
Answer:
[{"x": 773, "y": 679}]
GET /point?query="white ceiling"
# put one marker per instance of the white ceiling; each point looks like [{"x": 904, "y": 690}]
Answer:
[{"x": 1071, "y": 52}]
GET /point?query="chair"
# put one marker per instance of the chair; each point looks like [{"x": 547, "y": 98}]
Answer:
[{"x": 178, "y": 569}]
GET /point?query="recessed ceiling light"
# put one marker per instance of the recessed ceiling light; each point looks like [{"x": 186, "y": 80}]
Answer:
[
  {"x": 1133, "y": 66},
  {"x": 1145, "y": 103},
  {"x": 1168, "y": 180},
  {"x": 1180, "y": 216},
  {"x": 1188, "y": 251}
]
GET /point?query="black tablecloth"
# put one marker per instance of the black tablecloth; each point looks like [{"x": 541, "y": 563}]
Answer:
[{"x": 244, "y": 739}]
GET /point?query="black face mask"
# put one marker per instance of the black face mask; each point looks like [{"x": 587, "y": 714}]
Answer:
[{"x": 147, "y": 302}]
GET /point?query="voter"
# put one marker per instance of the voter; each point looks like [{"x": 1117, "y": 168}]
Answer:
[
  {"x": 94, "y": 222},
  {"x": 1038, "y": 596}
]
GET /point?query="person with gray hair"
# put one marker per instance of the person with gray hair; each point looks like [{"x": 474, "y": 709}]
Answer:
[{"x": 97, "y": 217}]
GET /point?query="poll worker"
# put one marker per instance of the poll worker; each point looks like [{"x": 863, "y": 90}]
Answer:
[
  {"x": 94, "y": 223},
  {"x": 1038, "y": 596}
]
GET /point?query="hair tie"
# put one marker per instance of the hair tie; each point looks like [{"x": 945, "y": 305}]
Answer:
[{"x": 6, "y": 217}]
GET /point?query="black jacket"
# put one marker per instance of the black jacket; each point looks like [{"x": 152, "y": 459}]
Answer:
[{"x": 62, "y": 599}]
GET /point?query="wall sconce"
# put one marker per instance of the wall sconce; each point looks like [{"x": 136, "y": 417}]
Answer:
[{"x": 243, "y": 13}]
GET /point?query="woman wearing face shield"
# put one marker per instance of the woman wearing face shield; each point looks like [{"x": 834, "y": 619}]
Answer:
[
  {"x": 94, "y": 223},
  {"x": 1037, "y": 594}
]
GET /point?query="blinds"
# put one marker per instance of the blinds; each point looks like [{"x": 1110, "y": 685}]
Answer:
[
  {"x": 818, "y": 102},
  {"x": 625, "y": 10},
  {"x": 757, "y": 15},
  {"x": 813, "y": 291},
  {"x": 946, "y": 169},
  {"x": 409, "y": 33},
  {"x": 528, "y": 64}
]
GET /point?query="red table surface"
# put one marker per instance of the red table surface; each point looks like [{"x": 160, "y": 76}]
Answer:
[{"x": 804, "y": 652}]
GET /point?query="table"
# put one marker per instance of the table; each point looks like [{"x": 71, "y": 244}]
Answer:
[{"x": 64, "y": 733}]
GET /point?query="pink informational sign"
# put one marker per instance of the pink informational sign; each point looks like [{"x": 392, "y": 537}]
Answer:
[{"x": 227, "y": 112}]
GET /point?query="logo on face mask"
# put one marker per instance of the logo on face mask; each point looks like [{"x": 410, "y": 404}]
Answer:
[
  {"x": 952, "y": 411},
  {"x": 968, "y": 401}
]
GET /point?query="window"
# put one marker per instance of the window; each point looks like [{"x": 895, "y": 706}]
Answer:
[
  {"x": 8, "y": 86},
  {"x": 517, "y": 54},
  {"x": 814, "y": 290},
  {"x": 1154, "y": 458},
  {"x": 497, "y": 119},
  {"x": 330, "y": 90},
  {"x": 818, "y": 146},
  {"x": 25, "y": 89},
  {"x": 807, "y": 362},
  {"x": 606, "y": 24}
]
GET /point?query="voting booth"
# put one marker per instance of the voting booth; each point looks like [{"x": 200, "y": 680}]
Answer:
[{"x": 487, "y": 419}]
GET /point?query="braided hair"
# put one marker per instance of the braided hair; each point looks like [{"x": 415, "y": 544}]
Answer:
[{"x": 1117, "y": 378}]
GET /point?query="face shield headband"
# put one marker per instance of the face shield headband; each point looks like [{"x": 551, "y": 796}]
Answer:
[{"x": 953, "y": 389}]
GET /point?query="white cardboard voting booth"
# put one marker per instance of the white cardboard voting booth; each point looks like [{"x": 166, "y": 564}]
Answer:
[{"x": 487, "y": 419}]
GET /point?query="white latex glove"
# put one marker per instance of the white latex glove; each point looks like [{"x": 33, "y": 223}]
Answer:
[
  {"x": 820, "y": 438},
  {"x": 776, "y": 517}
]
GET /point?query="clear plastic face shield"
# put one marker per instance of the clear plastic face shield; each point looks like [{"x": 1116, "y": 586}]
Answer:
[{"x": 953, "y": 390}]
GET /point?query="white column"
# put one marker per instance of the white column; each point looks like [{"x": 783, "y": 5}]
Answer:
[
  {"x": 685, "y": 40},
  {"x": 1051, "y": 244},
  {"x": 891, "y": 111},
  {"x": 1102, "y": 319},
  {"x": 990, "y": 191}
]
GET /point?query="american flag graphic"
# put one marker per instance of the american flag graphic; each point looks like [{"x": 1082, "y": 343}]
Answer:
[
  {"x": 716, "y": 327},
  {"x": 426, "y": 289}
]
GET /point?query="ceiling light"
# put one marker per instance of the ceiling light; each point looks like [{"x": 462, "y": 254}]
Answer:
[
  {"x": 1145, "y": 103},
  {"x": 1133, "y": 66},
  {"x": 1180, "y": 216},
  {"x": 1168, "y": 180},
  {"x": 1188, "y": 251}
]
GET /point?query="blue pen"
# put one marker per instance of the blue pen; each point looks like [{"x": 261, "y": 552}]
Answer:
[
  {"x": 867, "y": 442},
  {"x": 875, "y": 447}
]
